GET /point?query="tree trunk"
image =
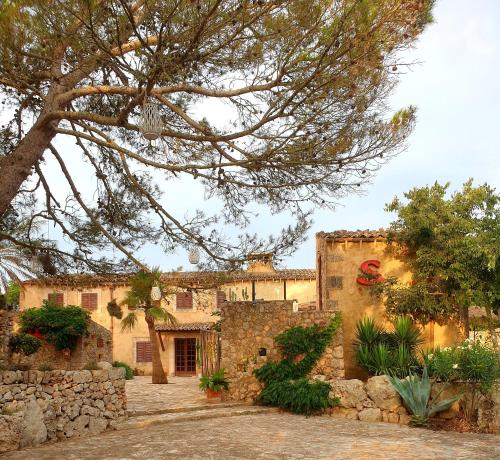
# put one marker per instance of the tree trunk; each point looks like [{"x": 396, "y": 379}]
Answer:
[
  {"x": 17, "y": 167},
  {"x": 159, "y": 375}
]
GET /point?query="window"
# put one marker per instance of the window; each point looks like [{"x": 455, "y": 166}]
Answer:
[
  {"x": 184, "y": 301},
  {"x": 335, "y": 282},
  {"x": 89, "y": 300},
  {"x": 220, "y": 298},
  {"x": 56, "y": 298},
  {"x": 143, "y": 352}
]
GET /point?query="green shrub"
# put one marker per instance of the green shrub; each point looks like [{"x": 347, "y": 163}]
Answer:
[
  {"x": 298, "y": 396},
  {"x": 92, "y": 366},
  {"x": 382, "y": 352},
  {"x": 215, "y": 382},
  {"x": 472, "y": 362},
  {"x": 60, "y": 326},
  {"x": 24, "y": 344},
  {"x": 129, "y": 372},
  {"x": 285, "y": 382},
  {"x": 415, "y": 392}
]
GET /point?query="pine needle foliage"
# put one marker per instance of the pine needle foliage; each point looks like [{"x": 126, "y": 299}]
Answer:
[{"x": 285, "y": 382}]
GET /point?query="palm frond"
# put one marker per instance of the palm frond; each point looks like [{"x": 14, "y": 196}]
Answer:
[
  {"x": 13, "y": 267},
  {"x": 161, "y": 314},
  {"x": 129, "y": 322}
]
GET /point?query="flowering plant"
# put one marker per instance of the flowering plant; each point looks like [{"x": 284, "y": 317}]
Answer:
[{"x": 471, "y": 362}]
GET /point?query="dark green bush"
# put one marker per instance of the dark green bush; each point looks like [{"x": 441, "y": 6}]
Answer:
[
  {"x": 24, "y": 344},
  {"x": 129, "y": 372},
  {"x": 285, "y": 382},
  {"x": 60, "y": 326},
  {"x": 298, "y": 396}
]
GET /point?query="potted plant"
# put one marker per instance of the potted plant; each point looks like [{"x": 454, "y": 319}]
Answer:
[{"x": 214, "y": 384}]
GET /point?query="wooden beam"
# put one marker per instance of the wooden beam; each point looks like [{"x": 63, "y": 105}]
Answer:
[{"x": 161, "y": 341}]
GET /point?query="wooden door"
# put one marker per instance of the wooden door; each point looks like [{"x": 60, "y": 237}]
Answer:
[{"x": 185, "y": 356}]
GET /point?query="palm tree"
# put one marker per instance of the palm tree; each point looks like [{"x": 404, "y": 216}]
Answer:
[
  {"x": 14, "y": 266},
  {"x": 139, "y": 296}
]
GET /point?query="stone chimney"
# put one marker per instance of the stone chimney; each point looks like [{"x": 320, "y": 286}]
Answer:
[{"x": 260, "y": 262}]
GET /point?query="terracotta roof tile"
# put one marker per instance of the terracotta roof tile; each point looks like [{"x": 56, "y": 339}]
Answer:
[
  {"x": 355, "y": 234},
  {"x": 184, "y": 327},
  {"x": 177, "y": 278}
]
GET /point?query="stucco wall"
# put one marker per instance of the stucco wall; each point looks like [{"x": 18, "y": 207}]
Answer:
[
  {"x": 204, "y": 304},
  {"x": 246, "y": 327},
  {"x": 341, "y": 260}
]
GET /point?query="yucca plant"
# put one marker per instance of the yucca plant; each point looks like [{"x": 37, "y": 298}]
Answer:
[
  {"x": 416, "y": 392},
  {"x": 368, "y": 332},
  {"x": 382, "y": 352},
  {"x": 405, "y": 333}
]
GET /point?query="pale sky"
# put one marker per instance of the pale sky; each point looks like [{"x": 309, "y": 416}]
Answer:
[{"x": 455, "y": 88}]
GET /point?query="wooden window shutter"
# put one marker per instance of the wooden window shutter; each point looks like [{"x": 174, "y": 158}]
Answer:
[
  {"x": 56, "y": 298},
  {"x": 221, "y": 298},
  {"x": 184, "y": 301},
  {"x": 143, "y": 352},
  {"x": 89, "y": 300}
]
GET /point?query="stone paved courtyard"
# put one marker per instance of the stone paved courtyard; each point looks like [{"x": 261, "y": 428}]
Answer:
[
  {"x": 180, "y": 392},
  {"x": 273, "y": 436}
]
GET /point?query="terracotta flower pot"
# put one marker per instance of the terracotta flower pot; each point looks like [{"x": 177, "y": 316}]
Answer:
[{"x": 211, "y": 394}]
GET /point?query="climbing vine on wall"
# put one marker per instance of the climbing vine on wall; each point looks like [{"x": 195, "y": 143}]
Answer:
[{"x": 285, "y": 382}]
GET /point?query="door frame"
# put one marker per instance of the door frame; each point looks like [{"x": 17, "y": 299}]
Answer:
[{"x": 184, "y": 341}]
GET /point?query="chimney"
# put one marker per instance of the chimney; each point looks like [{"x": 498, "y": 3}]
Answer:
[{"x": 260, "y": 262}]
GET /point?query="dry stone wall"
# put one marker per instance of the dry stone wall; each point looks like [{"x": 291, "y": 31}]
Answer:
[
  {"x": 248, "y": 330},
  {"x": 6, "y": 326},
  {"x": 38, "y": 406},
  {"x": 377, "y": 401}
]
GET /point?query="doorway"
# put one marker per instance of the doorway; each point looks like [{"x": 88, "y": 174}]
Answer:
[{"x": 185, "y": 357}]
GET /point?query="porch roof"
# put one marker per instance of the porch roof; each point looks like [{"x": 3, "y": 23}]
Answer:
[{"x": 179, "y": 327}]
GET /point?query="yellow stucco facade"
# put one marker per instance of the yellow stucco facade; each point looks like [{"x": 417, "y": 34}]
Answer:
[
  {"x": 339, "y": 256},
  {"x": 256, "y": 283}
]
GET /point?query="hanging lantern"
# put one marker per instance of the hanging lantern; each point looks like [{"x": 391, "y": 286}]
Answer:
[
  {"x": 155, "y": 293},
  {"x": 36, "y": 266},
  {"x": 194, "y": 256},
  {"x": 151, "y": 125}
]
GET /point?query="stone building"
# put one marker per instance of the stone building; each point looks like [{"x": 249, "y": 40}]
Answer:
[
  {"x": 346, "y": 262},
  {"x": 193, "y": 304}
]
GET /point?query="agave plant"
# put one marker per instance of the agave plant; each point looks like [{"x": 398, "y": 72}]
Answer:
[
  {"x": 416, "y": 392},
  {"x": 13, "y": 267}
]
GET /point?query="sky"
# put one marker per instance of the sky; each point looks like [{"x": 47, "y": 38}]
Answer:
[
  {"x": 454, "y": 85},
  {"x": 456, "y": 88}
]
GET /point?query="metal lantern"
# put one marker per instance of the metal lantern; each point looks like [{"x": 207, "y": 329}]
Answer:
[
  {"x": 151, "y": 125},
  {"x": 194, "y": 256},
  {"x": 155, "y": 293}
]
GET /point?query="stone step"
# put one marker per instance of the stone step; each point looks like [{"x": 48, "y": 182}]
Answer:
[
  {"x": 174, "y": 410},
  {"x": 184, "y": 416}
]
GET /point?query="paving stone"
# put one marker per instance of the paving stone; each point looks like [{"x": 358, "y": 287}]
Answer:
[{"x": 272, "y": 436}]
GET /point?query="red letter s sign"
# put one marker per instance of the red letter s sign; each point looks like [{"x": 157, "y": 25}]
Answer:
[{"x": 369, "y": 276}]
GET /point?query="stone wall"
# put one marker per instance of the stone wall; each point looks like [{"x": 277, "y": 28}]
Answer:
[
  {"x": 96, "y": 345},
  {"x": 377, "y": 401},
  {"x": 6, "y": 325},
  {"x": 38, "y": 406},
  {"x": 249, "y": 328},
  {"x": 372, "y": 401}
]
